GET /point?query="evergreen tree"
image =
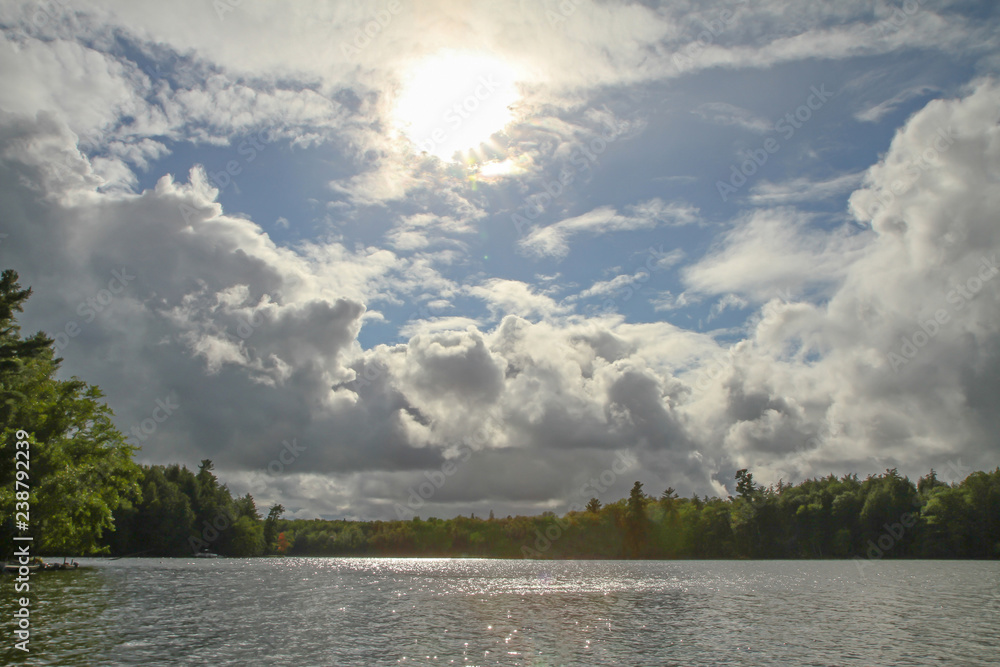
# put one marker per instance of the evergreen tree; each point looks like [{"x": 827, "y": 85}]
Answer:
[
  {"x": 78, "y": 466},
  {"x": 271, "y": 527},
  {"x": 635, "y": 520}
]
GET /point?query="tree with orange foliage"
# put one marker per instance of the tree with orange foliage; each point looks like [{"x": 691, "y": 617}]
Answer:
[{"x": 284, "y": 544}]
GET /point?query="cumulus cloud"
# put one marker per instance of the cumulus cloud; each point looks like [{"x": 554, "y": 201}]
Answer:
[
  {"x": 868, "y": 343},
  {"x": 865, "y": 378}
]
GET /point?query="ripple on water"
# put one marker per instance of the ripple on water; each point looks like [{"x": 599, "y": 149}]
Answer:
[{"x": 346, "y": 611}]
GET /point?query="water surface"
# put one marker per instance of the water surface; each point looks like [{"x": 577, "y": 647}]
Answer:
[{"x": 366, "y": 611}]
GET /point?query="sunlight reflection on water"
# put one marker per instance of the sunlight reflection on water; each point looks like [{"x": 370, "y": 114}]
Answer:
[{"x": 363, "y": 611}]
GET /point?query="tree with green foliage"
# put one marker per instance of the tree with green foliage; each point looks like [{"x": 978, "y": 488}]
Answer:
[
  {"x": 929, "y": 482},
  {"x": 271, "y": 527},
  {"x": 80, "y": 467},
  {"x": 163, "y": 519},
  {"x": 635, "y": 521},
  {"x": 245, "y": 538},
  {"x": 745, "y": 485},
  {"x": 593, "y": 505},
  {"x": 818, "y": 518},
  {"x": 180, "y": 513}
]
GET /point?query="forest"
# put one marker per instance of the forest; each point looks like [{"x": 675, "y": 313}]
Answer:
[
  {"x": 882, "y": 516},
  {"x": 88, "y": 496}
]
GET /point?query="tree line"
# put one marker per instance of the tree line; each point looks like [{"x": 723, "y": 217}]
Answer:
[
  {"x": 882, "y": 516},
  {"x": 87, "y": 496}
]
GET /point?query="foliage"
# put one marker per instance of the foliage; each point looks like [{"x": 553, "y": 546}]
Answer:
[
  {"x": 181, "y": 513},
  {"x": 826, "y": 517},
  {"x": 80, "y": 466},
  {"x": 84, "y": 485}
]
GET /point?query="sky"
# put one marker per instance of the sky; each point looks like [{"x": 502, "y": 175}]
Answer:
[{"x": 388, "y": 258}]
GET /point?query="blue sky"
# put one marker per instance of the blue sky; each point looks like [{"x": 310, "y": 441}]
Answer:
[{"x": 745, "y": 212}]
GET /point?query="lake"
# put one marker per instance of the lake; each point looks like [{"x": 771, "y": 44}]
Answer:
[{"x": 379, "y": 611}]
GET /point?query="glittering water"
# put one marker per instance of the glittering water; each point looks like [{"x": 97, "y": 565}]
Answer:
[{"x": 347, "y": 611}]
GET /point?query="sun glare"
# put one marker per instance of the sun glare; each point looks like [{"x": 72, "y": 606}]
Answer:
[{"x": 454, "y": 101}]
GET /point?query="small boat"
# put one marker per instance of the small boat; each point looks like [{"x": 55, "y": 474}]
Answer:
[
  {"x": 38, "y": 565},
  {"x": 50, "y": 567},
  {"x": 206, "y": 554},
  {"x": 8, "y": 568}
]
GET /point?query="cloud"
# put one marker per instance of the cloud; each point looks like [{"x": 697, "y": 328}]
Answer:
[
  {"x": 660, "y": 261},
  {"x": 803, "y": 189},
  {"x": 259, "y": 341},
  {"x": 419, "y": 231},
  {"x": 546, "y": 388},
  {"x": 823, "y": 375},
  {"x": 513, "y": 297},
  {"x": 553, "y": 240},
  {"x": 772, "y": 253},
  {"x": 875, "y": 113},
  {"x": 722, "y": 113},
  {"x": 667, "y": 301}
]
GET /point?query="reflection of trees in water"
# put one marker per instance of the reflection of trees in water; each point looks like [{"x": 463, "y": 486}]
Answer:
[
  {"x": 121, "y": 603},
  {"x": 71, "y": 613}
]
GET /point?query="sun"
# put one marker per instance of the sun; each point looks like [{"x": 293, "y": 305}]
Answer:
[{"x": 453, "y": 101}]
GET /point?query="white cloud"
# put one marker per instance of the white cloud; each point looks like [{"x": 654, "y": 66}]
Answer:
[
  {"x": 553, "y": 240},
  {"x": 771, "y": 253},
  {"x": 513, "y": 297},
  {"x": 803, "y": 189},
  {"x": 722, "y": 113},
  {"x": 667, "y": 301},
  {"x": 875, "y": 113},
  {"x": 260, "y": 342},
  {"x": 657, "y": 262}
]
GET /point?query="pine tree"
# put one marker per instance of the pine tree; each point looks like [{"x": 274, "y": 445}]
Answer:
[{"x": 79, "y": 467}]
